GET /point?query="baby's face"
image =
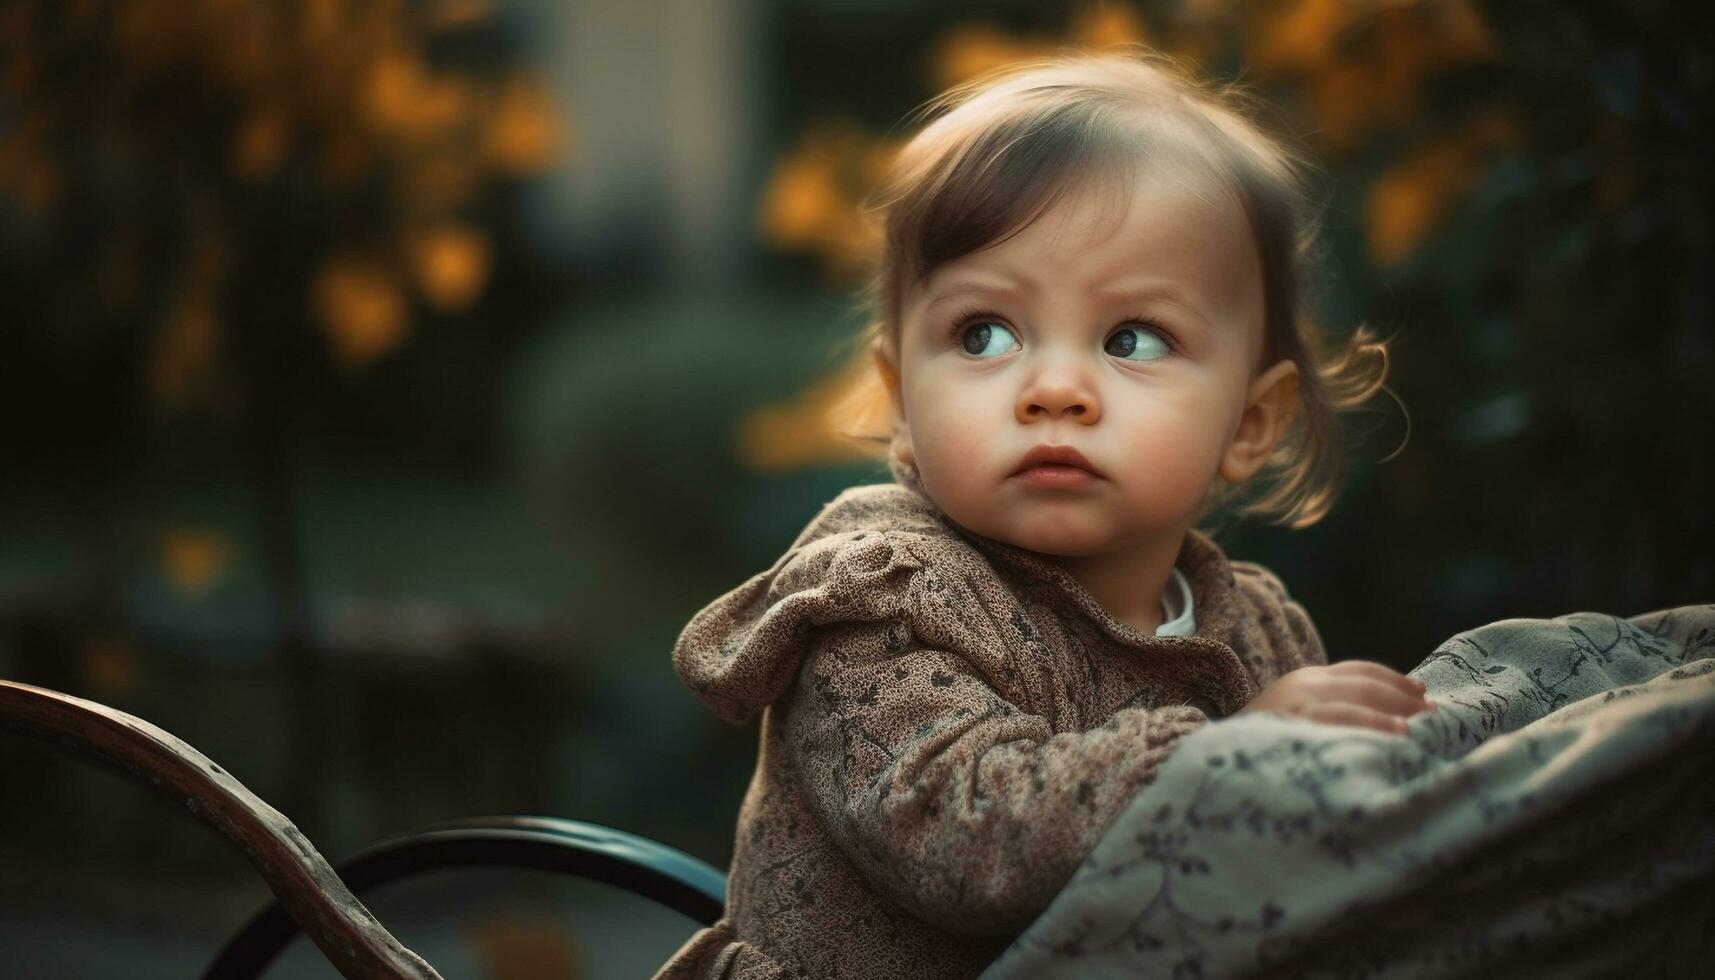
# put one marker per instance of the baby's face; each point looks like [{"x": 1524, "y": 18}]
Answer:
[{"x": 1043, "y": 339}]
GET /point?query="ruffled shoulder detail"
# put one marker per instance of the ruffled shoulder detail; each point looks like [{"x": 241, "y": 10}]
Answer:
[{"x": 853, "y": 563}]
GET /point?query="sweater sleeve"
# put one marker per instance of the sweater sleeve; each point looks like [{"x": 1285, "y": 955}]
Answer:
[{"x": 966, "y": 811}]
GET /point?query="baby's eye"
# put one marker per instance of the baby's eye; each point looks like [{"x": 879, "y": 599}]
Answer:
[
  {"x": 1126, "y": 341},
  {"x": 980, "y": 337}
]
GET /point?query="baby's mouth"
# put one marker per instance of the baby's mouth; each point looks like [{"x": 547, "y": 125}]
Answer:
[
  {"x": 1055, "y": 458},
  {"x": 1056, "y": 476}
]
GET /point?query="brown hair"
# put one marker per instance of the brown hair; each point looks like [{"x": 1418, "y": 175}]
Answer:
[{"x": 1007, "y": 145}]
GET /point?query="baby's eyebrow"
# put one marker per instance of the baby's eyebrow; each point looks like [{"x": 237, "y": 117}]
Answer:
[
  {"x": 1161, "y": 289},
  {"x": 961, "y": 287},
  {"x": 1131, "y": 290}
]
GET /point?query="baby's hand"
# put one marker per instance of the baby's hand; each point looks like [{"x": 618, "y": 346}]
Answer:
[{"x": 1360, "y": 693}]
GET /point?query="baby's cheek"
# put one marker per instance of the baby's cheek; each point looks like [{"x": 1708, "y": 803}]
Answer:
[
  {"x": 954, "y": 469},
  {"x": 950, "y": 437},
  {"x": 955, "y": 447},
  {"x": 1169, "y": 475}
]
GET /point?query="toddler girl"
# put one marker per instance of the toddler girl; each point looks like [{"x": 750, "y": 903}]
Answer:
[{"x": 1087, "y": 326}]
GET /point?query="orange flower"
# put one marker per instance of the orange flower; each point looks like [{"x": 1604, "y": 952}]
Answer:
[
  {"x": 452, "y": 265},
  {"x": 361, "y": 308},
  {"x": 523, "y": 132}
]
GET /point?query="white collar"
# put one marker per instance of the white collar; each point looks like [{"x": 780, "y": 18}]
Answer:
[{"x": 1177, "y": 595}]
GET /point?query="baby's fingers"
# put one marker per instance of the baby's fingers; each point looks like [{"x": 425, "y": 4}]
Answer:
[
  {"x": 1380, "y": 672},
  {"x": 1354, "y": 715},
  {"x": 1370, "y": 693}
]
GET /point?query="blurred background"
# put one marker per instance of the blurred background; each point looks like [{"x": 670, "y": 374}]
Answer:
[{"x": 384, "y": 384}]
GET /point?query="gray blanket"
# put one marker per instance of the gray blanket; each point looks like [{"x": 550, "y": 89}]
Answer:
[{"x": 1556, "y": 818}]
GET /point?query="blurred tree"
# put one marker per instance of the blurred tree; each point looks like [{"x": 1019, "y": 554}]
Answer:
[{"x": 243, "y": 198}]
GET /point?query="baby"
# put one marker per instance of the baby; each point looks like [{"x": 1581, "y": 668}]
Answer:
[{"x": 1087, "y": 326}]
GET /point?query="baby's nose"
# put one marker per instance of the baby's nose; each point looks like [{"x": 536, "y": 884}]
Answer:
[{"x": 1056, "y": 395}]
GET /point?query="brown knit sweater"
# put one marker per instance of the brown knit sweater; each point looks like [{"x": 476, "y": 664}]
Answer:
[{"x": 949, "y": 724}]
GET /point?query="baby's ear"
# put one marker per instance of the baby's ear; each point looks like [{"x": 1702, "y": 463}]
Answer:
[
  {"x": 1270, "y": 405},
  {"x": 886, "y": 365}
]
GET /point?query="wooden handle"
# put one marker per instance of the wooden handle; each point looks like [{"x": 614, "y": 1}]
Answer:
[{"x": 306, "y": 886}]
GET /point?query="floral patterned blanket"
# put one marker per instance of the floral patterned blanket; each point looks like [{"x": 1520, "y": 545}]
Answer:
[{"x": 1556, "y": 818}]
